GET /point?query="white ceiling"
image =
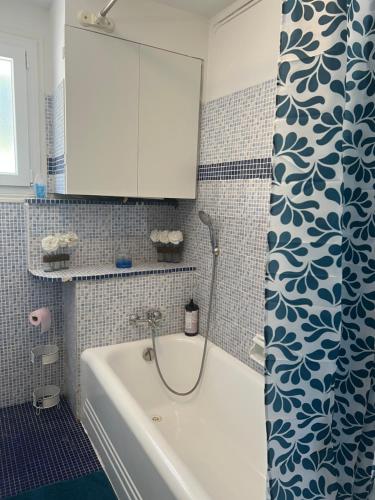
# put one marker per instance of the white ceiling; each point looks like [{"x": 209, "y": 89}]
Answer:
[{"x": 206, "y": 8}]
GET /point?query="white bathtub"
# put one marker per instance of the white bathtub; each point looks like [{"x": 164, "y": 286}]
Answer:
[{"x": 210, "y": 445}]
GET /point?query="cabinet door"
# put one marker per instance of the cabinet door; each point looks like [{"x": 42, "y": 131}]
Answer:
[
  {"x": 102, "y": 89},
  {"x": 169, "y": 103}
]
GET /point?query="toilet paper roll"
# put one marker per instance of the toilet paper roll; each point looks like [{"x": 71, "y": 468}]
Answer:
[{"x": 41, "y": 317}]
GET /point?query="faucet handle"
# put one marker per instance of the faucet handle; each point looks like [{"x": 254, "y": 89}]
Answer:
[{"x": 154, "y": 315}]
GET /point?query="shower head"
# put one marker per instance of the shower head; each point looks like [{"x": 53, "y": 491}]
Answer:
[
  {"x": 205, "y": 218},
  {"x": 207, "y": 221}
]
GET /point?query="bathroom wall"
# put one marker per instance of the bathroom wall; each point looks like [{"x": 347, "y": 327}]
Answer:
[
  {"x": 102, "y": 228},
  {"x": 242, "y": 51},
  {"x": 20, "y": 294},
  {"x": 105, "y": 228},
  {"x": 97, "y": 314},
  {"x": 55, "y": 138},
  {"x": 235, "y": 174}
]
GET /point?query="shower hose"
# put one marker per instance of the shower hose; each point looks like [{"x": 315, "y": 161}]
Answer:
[{"x": 153, "y": 335}]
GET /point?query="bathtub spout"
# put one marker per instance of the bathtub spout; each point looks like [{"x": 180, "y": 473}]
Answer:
[{"x": 148, "y": 354}]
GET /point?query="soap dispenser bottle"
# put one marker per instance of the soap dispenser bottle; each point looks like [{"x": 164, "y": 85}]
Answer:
[{"x": 191, "y": 319}]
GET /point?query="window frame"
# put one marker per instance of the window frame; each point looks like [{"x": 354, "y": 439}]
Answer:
[{"x": 27, "y": 96}]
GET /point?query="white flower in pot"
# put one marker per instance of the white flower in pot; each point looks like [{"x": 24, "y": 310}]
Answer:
[
  {"x": 50, "y": 243},
  {"x": 155, "y": 236},
  {"x": 175, "y": 237},
  {"x": 164, "y": 237},
  {"x": 69, "y": 240}
]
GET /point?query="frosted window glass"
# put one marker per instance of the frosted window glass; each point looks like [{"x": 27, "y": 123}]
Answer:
[{"x": 8, "y": 157}]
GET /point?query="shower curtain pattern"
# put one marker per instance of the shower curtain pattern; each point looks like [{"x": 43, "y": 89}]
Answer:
[{"x": 320, "y": 297}]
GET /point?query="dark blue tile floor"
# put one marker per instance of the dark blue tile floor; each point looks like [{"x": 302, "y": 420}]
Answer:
[{"x": 40, "y": 450}]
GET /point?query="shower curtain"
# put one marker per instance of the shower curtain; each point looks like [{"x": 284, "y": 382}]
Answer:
[{"x": 320, "y": 292}]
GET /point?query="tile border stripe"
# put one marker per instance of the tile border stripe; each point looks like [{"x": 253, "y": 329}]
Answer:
[
  {"x": 56, "y": 165},
  {"x": 259, "y": 168}
]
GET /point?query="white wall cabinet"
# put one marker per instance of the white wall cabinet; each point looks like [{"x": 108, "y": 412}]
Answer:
[
  {"x": 131, "y": 118},
  {"x": 169, "y": 101},
  {"x": 102, "y": 89}
]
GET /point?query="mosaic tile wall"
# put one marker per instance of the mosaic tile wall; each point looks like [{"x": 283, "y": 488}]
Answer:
[
  {"x": 239, "y": 126},
  {"x": 55, "y": 132},
  {"x": 97, "y": 314},
  {"x": 234, "y": 188},
  {"x": 20, "y": 294},
  {"x": 104, "y": 230},
  {"x": 70, "y": 350}
]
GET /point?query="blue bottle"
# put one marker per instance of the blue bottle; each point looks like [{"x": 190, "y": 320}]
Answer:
[{"x": 40, "y": 189}]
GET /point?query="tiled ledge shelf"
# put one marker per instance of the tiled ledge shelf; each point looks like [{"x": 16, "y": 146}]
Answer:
[
  {"x": 108, "y": 271},
  {"x": 100, "y": 200}
]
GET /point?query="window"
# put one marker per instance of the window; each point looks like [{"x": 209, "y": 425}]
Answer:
[
  {"x": 8, "y": 150},
  {"x": 16, "y": 107}
]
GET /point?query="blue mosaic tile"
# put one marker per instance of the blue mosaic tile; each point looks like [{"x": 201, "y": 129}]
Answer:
[
  {"x": 238, "y": 126},
  {"x": 40, "y": 450},
  {"x": 56, "y": 165}
]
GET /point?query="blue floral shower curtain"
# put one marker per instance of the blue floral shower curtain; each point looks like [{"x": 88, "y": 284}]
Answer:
[{"x": 320, "y": 297}]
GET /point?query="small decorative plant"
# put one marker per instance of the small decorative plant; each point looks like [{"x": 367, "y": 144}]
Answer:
[
  {"x": 169, "y": 245},
  {"x": 56, "y": 248}
]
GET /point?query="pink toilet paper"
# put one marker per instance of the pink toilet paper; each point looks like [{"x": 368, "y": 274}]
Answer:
[{"x": 41, "y": 317}]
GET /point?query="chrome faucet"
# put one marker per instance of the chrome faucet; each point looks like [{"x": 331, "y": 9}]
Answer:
[{"x": 153, "y": 318}]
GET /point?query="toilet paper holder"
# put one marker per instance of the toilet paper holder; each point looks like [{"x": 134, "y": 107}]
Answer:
[
  {"x": 43, "y": 357},
  {"x": 45, "y": 394}
]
